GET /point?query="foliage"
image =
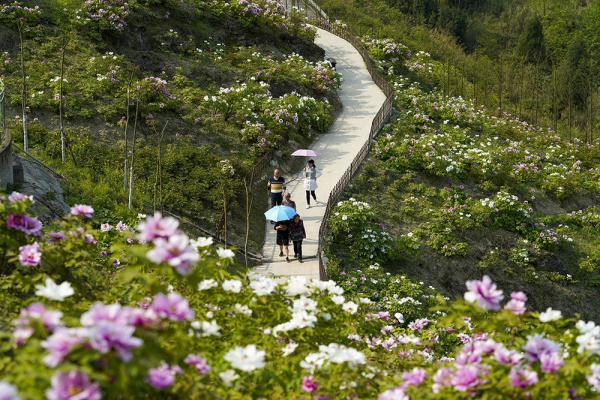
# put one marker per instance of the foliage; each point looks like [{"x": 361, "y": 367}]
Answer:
[{"x": 177, "y": 321}]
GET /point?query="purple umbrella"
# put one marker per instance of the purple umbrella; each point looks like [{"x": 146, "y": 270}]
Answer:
[{"x": 305, "y": 153}]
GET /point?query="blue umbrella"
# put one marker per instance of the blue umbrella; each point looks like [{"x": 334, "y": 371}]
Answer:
[{"x": 280, "y": 213}]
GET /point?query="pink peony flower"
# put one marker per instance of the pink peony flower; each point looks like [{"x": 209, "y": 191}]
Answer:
[
  {"x": 517, "y": 303},
  {"x": 30, "y": 255},
  {"x": 484, "y": 293},
  {"x": 16, "y": 197},
  {"x": 163, "y": 376},
  {"x": 467, "y": 377},
  {"x": 157, "y": 227},
  {"x": 198, "y": 362},
  {"x": 35, "y": 312},
  {"x": 393, "y": 394},
  {"x": 413, "y": 378},
  {"x": 522, "y": 377},
  {"x": 309, "y": 384},
  {"x": 60, "y": 344},
  {"x": 537, "y": 345},
  {"x": 441, "y": 379},
  {"x": 176, "y": 251},
  {"x": 74, "y": 385},
  {"x": 82, "y": 210},
  {"x": 507, "y": 357},
  {"x": 550, "y": 362},
  {"x": 171, "y": 306},
  {"x": 24, "y": 223},
  {"x": 8, "y": 391}
]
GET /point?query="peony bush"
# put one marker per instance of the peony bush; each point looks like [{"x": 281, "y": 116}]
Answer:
[{"x": 174, "y": 318}]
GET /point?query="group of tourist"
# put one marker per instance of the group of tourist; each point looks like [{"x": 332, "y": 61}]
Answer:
[{"x": 291, "y": 229}]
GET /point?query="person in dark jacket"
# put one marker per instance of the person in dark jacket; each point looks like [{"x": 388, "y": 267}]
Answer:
[
  {"x": 283, "y": 238},
  {"x": 297, "y": 234}
]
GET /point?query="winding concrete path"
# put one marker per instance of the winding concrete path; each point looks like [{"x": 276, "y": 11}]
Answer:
[{"x": 361, "y": 100}]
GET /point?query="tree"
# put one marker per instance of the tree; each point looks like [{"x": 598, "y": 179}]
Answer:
[{"x": 531, "y": 45}]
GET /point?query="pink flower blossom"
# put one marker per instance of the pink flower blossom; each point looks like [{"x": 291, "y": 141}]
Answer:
[
  {"x": 198, "y": 362},
  {"x": 163, "y": 376},
  {"x": 61, "y": 342},
  {"x": 550, "y": 362},
  {"x": 176, "y": 251},
  {"x": 30, "y": 255},
  {"x": 309, "y": 384},
  {"x": 74, "y": 385},
  {"x": 82, "y": 210},
  {"x": 24, "y": 223},
  {"x": 522, "y": 377},
  {"x": 393, "y": 394},
  {"x": 171, "y": 306},
  {"x": 484, "y": 293},
  {"x": 35, "y": 312},
  {"x": 538, "y": 345},
  {"x": 441, "y": 379},
  {"x": 507, "y": 357},
  {"x": 157, "y": 227},
  {"x": 16, "y": 197},
  {"x": 517, "y": 303},
  {"x": 413, "y": 378},
  {"x": 466, "y": 377},
  {"x": 418, "y": 324}
]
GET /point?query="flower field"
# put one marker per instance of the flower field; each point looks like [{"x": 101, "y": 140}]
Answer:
[
  {"x": 459, "y": 191},
  {"x": 140, "y": 310},
  {"x": 242, "y": 76}
]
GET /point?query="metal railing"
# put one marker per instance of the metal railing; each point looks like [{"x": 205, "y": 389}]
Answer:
[{"x": 319, "y": 18}]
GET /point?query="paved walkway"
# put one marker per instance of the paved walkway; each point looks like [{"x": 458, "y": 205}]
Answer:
[{"x": 361, "y": 99}]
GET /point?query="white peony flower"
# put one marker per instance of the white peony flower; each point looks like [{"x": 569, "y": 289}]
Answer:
[
  {"x": 399, "y": 317},
  {"x": 350, "y": 307},
  {"x": 207, "y": 284},
  {"x": 53, "y": 291},
  {"x": 263, "y": 286},
  {"x": 338, "y": 299},
  {"x": 225, "y": 253},
  {"x": 550, "y": 315},
  {"x": 228, "y": 377},
  {"x": 246, "y": 359},
  {"x": 297, "y": 285},
  {"x": 202, "y": 242},
  {"x": 289, "y": 348},
  {"x": 241, "y": 309},
  {"x": 232, "y": 285},
  {"x": 304, "y": 304},
  {"x": 207, "y": 328}
]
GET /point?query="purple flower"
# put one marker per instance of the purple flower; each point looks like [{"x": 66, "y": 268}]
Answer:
[
  {"x": 537, "y": 345},
  {"x": 16, "y": 197},
  {"x": 413, "y": 378},
  {"x": 105, "y": 336},
  {"x": 82, "y": 210},
  {"x": 171, "y": 306},
  {"x": 441, "y": 379},
  {"x": 466, "y": 377},
  {"x": 309, "y": 384},
  {"x": 8, "y": 391},
  {"x": 522, "y": 377},
  {"x": 74, "y": 385},
  {"x": 157, "y": 227},
  {"x": 61, "y": 342},
  {"x": 30, "y": 255},
  {"x": 55, "y": 237},
  {"x": 485, "y": 293},
  {"x": 24, "y": 223},
  {"x": 418, "y": 324},
  {"x": 35, "y": 312},
  {"x": 516, "y": 303},
  {"x": 163, "y": 376},
  {"x": 393, "y": 394},
  {"x": 550, "y": 362},
  {"x": 507, "y": 357},
  {"x": 198, "y": 362},
  {"x": 176, "y": 251}
]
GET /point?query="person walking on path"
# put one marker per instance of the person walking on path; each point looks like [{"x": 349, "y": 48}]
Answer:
[
  {"x": 287, "y": 200},
  {"x": 276, "y": 187},
  {"x": 283, "y": 238},
  {"x": 297, "y": 234},
  {"x": 310, "y": 181}
]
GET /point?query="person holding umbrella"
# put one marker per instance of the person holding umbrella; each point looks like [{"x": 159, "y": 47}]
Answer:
[
  {"x": 282, "y": 216},
  {"x": 310, "y": 181}
]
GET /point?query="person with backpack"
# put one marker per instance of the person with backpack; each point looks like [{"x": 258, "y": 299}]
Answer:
[
  {"x": 310, "y": 181},
  {"x": 297, "y": 234}
]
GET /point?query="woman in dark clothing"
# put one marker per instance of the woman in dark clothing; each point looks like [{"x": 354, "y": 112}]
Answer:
[
  {"x": 283, "y": 238},
  {"x": 297, "y": 234}
]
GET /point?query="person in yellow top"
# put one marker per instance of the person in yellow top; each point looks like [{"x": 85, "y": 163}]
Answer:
[{"x": 276, "y": 187}]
